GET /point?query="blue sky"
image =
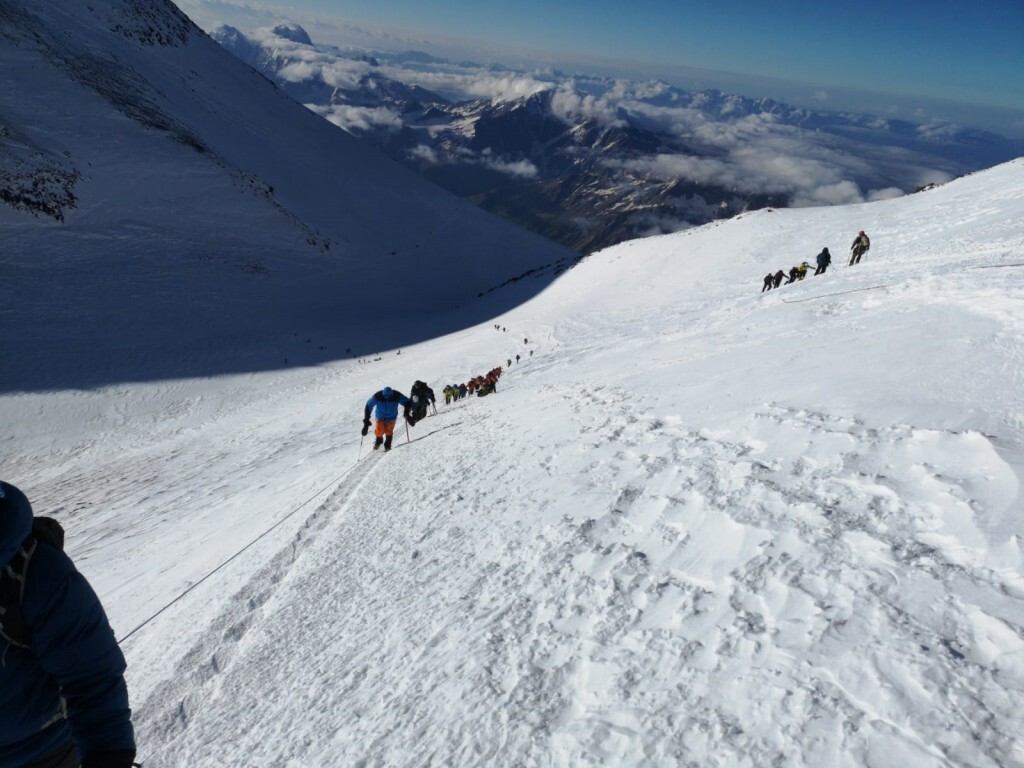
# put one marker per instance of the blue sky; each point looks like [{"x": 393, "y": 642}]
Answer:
[{"x": 966, "y": 53}]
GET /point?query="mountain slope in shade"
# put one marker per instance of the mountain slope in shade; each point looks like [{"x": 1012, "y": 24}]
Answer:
[{"x": 160, "y": 196}]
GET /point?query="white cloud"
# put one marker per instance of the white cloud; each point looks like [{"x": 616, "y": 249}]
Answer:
[
  {"x": 937, "y": 130},
  {"x": 650, "y": 225},
  {"x": 570, "y": 105},
  {"x": 462, "y": 84},
  {"x": 676, "y": 167},
  {"x": 522, "y": 169},
  {"x": 507, "y": 88},
  {"x": 933, "y": 177},
  {"x": 756, "y": 155},
  {"x": 303, "y": 63},
  {"x": 425, "y": 153},
  {"x": 352, "y": 118},
  {"x": 884, "y": 194},
  {"x": 839, "y": 193}
]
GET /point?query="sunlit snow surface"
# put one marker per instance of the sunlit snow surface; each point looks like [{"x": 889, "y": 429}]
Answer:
[{"x": 699, "y": 526}]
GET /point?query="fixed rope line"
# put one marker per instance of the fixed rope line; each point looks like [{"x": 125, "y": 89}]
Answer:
[
  {"x": 239, "y": 552},
  {"x": 837, "y": 293}
]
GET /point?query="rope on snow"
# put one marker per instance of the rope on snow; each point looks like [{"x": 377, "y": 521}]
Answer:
[{"x": 239, "y": 552}]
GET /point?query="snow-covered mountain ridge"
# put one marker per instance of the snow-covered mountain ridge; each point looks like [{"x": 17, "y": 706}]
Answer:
[
  {"x": 157, "y": 193},
  {"x": 697, "y": 525}
]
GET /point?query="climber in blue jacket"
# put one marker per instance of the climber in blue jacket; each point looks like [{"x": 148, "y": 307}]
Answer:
[{"x": 385, "y": 402}]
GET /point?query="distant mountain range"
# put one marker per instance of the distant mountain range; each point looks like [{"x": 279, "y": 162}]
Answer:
[{"x": 590, "y": 162}]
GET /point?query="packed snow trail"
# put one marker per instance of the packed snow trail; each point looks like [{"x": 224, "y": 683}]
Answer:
[{"x": 600, "y": 630}]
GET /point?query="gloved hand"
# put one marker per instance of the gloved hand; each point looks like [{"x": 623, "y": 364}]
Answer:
[{"x": 366, "y": 427}]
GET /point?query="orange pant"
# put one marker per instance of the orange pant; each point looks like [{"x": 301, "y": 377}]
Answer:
[{"x": 384, "y": 428}]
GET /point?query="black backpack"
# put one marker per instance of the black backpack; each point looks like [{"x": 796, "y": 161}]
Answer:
[{"x": 13, "y": 627}]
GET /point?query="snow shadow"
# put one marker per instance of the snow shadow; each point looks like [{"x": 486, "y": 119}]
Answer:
[{"x": 122, "y": 334}]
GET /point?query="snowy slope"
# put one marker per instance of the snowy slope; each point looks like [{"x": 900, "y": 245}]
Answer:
[
  {"x": 699, "y": 526},
  {"x": 163, "y": 196}
]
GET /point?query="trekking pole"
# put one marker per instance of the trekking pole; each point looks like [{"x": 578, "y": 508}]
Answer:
[
  {"x": 360, "y": 454},
  {"x": 407, "y": 438},
  {"x": 434, "y": 406}
]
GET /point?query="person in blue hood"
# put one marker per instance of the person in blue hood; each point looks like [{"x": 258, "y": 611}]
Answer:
[
  {"x": 386, "y": 404},
  {"x": 63, "y": 697}
]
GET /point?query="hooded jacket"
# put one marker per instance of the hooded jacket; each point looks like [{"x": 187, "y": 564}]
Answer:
[
  {"x": 68, "y": 685},
  {"x": 386, "y": 403},
  {"x": 423, "y": 392}
]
